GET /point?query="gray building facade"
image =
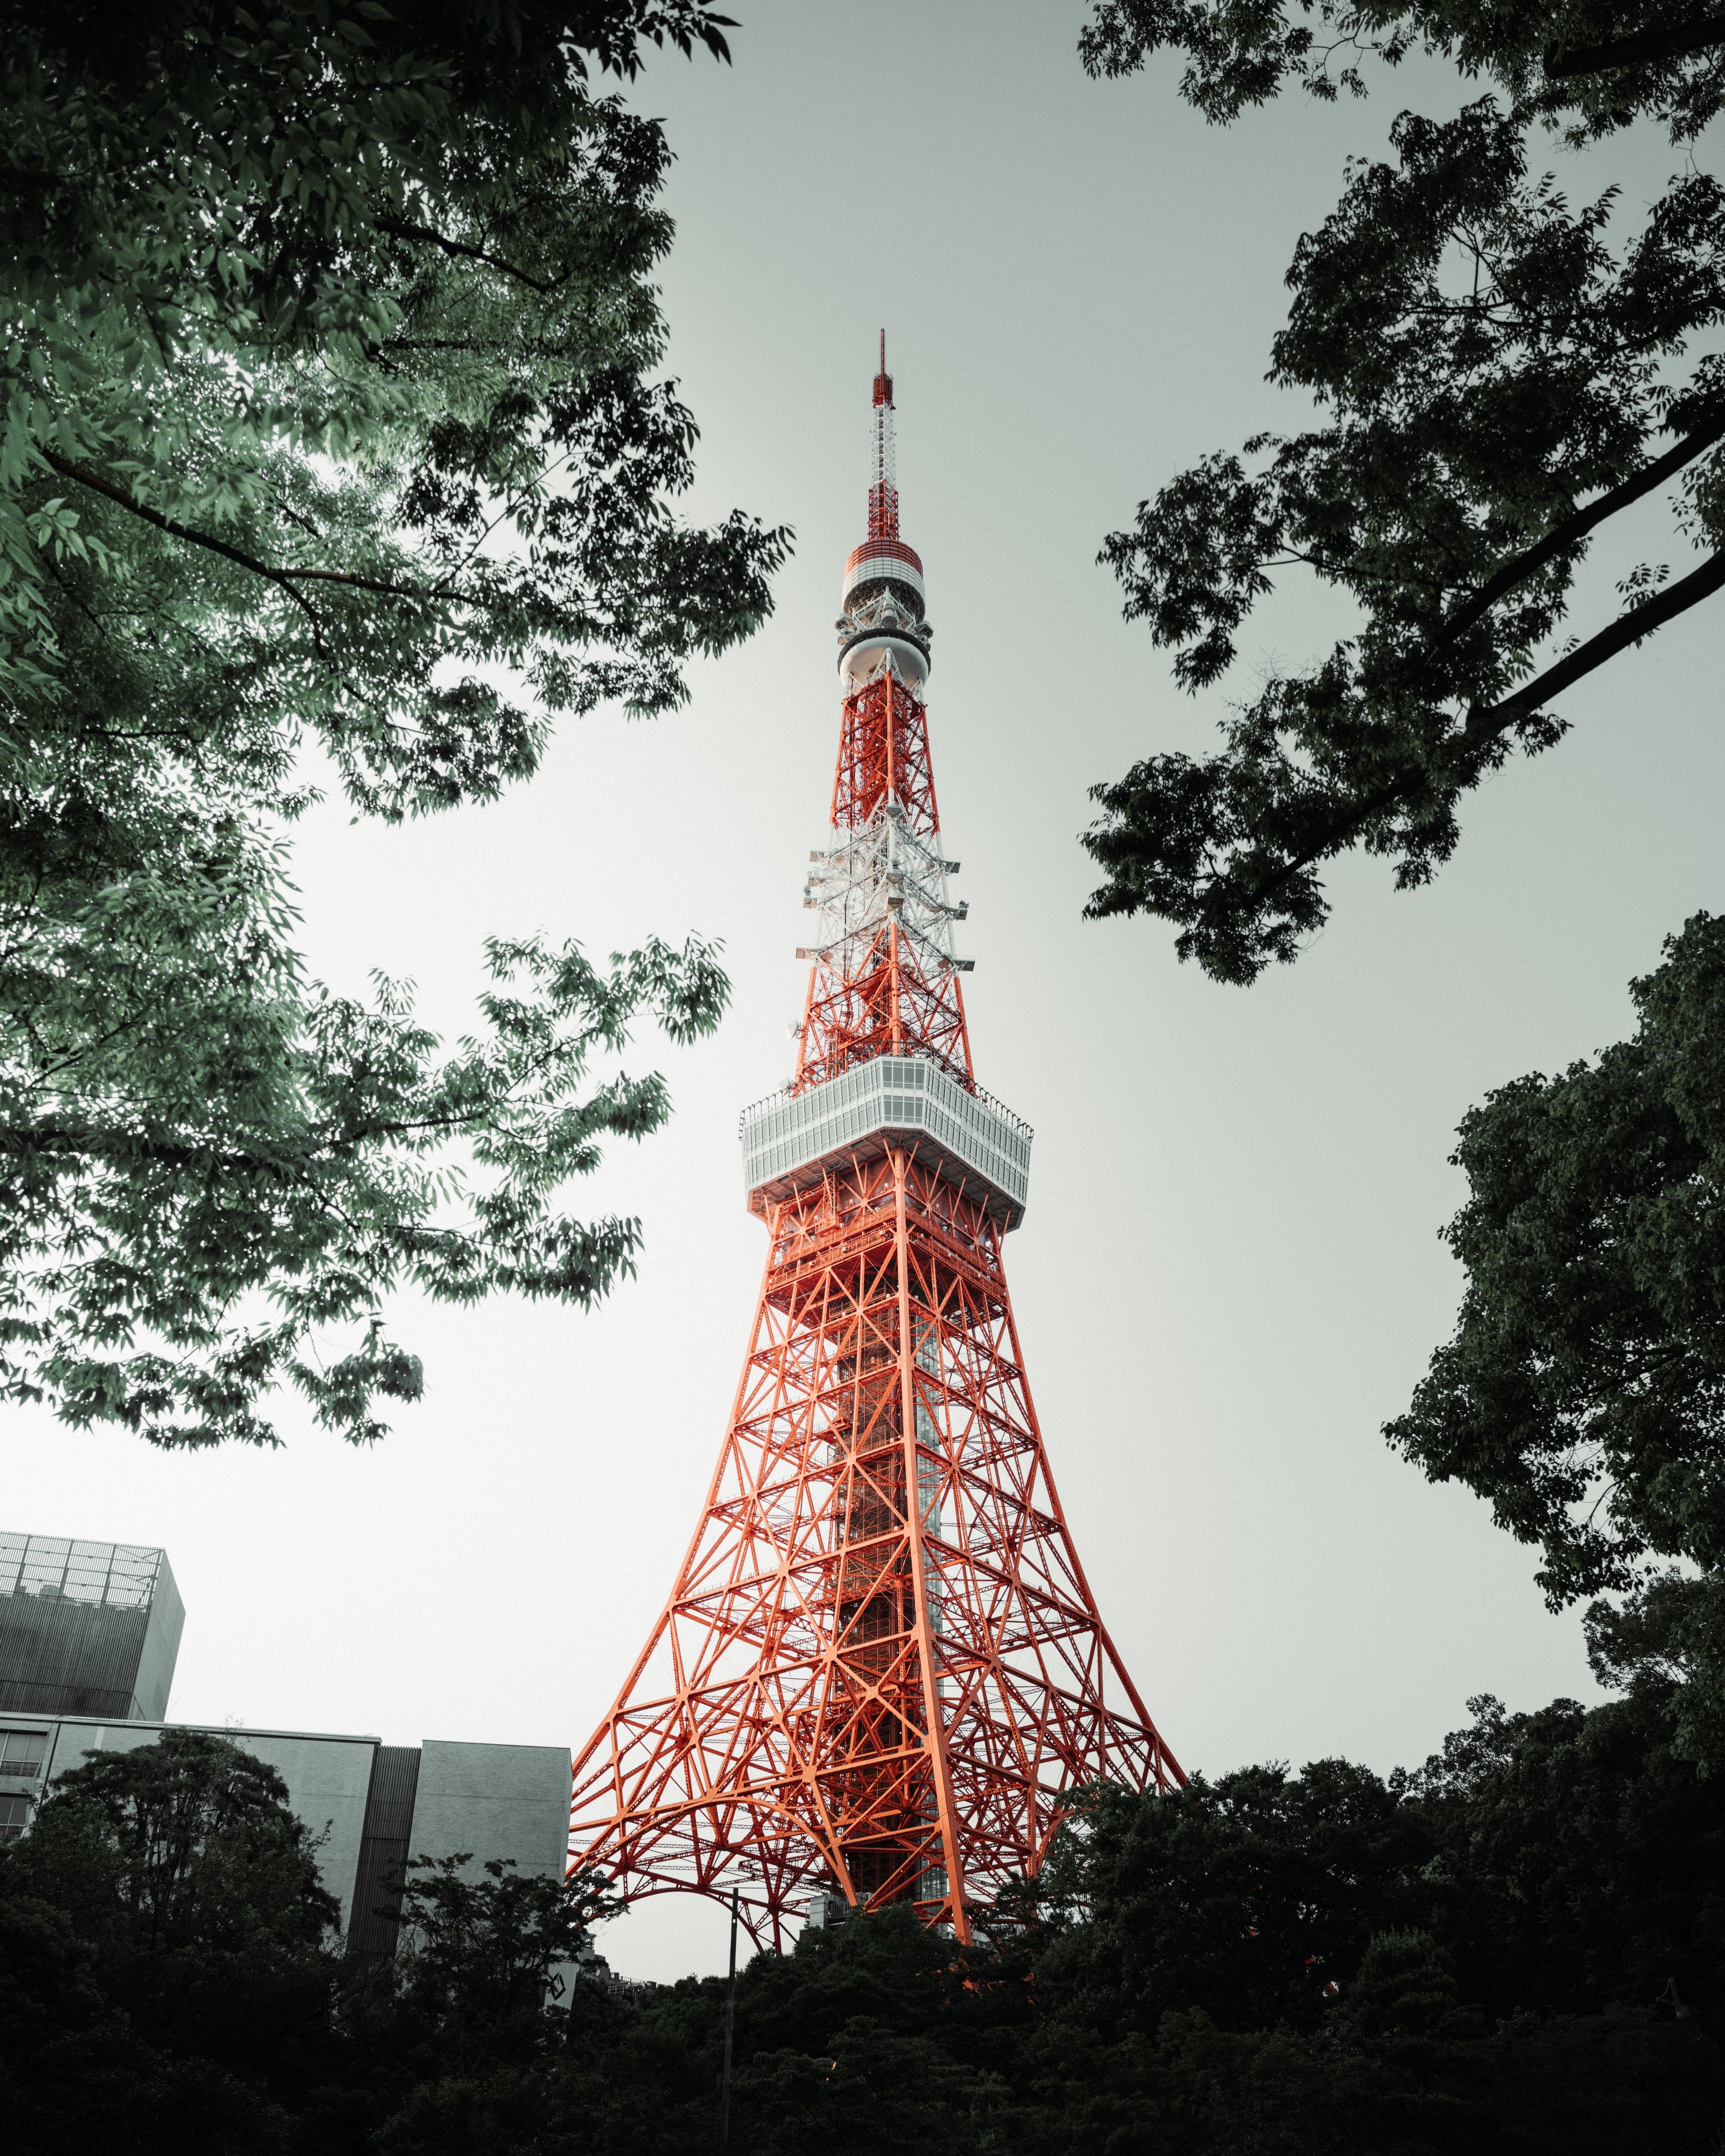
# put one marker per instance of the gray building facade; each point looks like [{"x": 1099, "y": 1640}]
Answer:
[
  {"x": 374, "y": 1805},
  {"x": 89, "y": 1633}
]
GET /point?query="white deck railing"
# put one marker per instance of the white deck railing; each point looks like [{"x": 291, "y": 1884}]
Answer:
[{"x": 788, "y": 1138}]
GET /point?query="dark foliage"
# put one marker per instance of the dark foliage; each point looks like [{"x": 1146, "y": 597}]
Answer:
[
  {"x": 1499, "y": 373},
  {"x": 1519, "y": 1948},
  {"x": 1241, "y": 1900},
  {"x": 1592, "y": 63},
  {"x": 482, "y": 1952},
  {"x": 1584, "y": 1392}
]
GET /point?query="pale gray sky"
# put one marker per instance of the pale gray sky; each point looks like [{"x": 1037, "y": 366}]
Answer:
[{"x": 1228, "y": 1277}]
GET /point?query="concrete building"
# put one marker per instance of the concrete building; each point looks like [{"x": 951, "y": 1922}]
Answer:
[
  {"x": 86, "y": 1628},
  {"x": 71, "y": 1685}
]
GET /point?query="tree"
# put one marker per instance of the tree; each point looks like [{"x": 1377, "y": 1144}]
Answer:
[
  {"x": 1583, "y": 1390},
  {"x": 478, "y": 1955},
  {"x": 1662, "y": 1640},
  {"x": 1508, "y": 1937},
  {"x": 73, "y": 2071},
  {"x": 1500, "y": 375},
  {"x": 334, "y": 444},
  {"x": 1592, "y": 64},
  {"x": 869, "y": 2089},
  {"x": 1242, "y": 1898},
  {"x": 844, "y": 2042},
  {"x": 188, "y": 1891},
  {"x": 1578, "y": 1861},
  {"x": 1468, "y": 1957},
  {"x": 187, "y": 1838}
]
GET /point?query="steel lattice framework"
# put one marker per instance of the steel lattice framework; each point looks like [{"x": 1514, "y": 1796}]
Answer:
[{"x": 881, "y": 1665}]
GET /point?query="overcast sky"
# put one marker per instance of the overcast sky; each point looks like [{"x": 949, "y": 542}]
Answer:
[{"x": 1229, "y": 1275}]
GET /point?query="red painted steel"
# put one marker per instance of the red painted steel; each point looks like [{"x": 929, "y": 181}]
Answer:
[
  {"x": 887, "y": 549},
  {"x": 883, "y": 493},
  {"x": 881, "y": 1665}
]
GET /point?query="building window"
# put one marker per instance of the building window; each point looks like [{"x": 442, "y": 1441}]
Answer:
[
  {"x": 22, "y": 1750},
  {"x": 14, "y": 1818}
]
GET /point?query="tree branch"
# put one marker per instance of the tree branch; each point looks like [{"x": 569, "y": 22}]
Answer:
[
  {"x": 399, "y": 228},
  {"x": 1484, "y": 725},
  {"x": 127, "y": 501},
  {"x": 1674, "y": 43},
  {"x": 1628, "y": 628},
  {"x": 77, "y": 1141},
  {"x": 1577, "y": 527},
  {"x": 287, "y": 579}
]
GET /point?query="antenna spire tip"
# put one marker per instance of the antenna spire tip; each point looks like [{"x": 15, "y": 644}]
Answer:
[{"x": 883, "y": 380}]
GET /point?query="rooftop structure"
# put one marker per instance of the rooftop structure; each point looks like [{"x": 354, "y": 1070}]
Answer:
[{"x": 87, "y": 1628}]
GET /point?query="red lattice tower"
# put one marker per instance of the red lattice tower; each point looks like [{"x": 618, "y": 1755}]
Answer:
[{"x": 880, "y": 1665}]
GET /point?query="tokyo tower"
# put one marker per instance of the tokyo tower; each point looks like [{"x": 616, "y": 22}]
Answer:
[{"x": 880, "y": 1665}]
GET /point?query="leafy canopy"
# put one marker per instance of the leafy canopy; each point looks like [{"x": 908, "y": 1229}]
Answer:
[
  {"x": 478, "y": 1955},
  {"x": 1502, "y": 373},
  {"x": 1593, "y": 64},
  {"x": 185, "y": 1840},
  {"x": 1499, "y": 374},
  {"x": 333, "y": 442},
  {"x": 1583, "y": 1391},
  {"x": 1515, "y": 1947}
]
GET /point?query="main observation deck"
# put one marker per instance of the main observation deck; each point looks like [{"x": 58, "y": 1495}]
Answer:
[{"x": 789, "y": 1140}]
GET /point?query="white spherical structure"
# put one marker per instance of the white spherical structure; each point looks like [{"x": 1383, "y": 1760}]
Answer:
[{"x": 861, "y": 661}]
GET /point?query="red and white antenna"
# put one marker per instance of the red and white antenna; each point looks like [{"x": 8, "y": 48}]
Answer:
[
  {"x": 885, "y": 600},
  {"x": 883, "y": 475}
]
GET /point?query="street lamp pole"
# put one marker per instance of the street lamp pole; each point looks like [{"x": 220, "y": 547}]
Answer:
[{"x": 729, "y": 2024}]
